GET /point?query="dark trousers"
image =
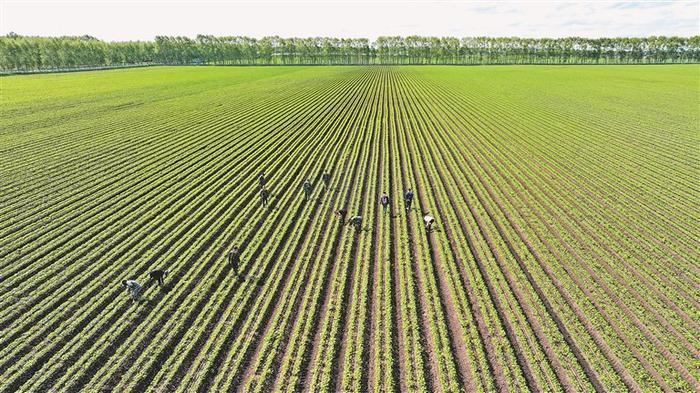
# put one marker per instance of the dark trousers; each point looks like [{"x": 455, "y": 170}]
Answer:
[{"x": 233, "y": 261}]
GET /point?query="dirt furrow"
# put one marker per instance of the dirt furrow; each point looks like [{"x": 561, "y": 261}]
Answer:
[
  {"x": 625, "y": 309},
  {"x": 449, "y": 308},
  {"x": 174, "y": 225},
  {"x": 322, "y": 312},
  {"x": 398, "y": 345},
  {"x": 239, "y": 321},
  {"x": 576, "y": 220},
  {"x": 249, "y": 369},
  {"x": 599, "y": 340},
  {"x": 230, "y": 201},
  {"x": 371, "y": 301}
]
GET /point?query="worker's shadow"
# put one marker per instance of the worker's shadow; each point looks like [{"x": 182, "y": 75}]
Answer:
[
  {"x": 166, "y": 287},
  {"x": 271, "y": 203},
  {"x": 241, "y": 278},
  {"x": 155, "y": 285}
]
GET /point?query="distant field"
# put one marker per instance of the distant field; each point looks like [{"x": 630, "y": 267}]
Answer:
[{"x": 565, "y": 255}]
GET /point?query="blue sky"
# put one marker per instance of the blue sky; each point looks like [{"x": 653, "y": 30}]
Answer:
[{"x": 134, "y": 19}]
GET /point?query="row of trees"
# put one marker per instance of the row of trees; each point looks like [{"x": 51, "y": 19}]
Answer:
[
  {"x": 18, "y": 53},
  {"x": 21, "y": 53},
  {"x": 268, "y": 50},
  {"x": 515, "y": 50}
]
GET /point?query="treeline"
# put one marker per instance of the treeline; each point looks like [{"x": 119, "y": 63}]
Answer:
[
  {"x": 23, "y": 53},
  {"x": 19, "y": 53}
]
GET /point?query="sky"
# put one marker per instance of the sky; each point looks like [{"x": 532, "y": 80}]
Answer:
[{"x": 142, "y": 20}]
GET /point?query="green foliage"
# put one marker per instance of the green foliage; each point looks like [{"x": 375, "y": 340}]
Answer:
[{"x": 564, "y": 256}]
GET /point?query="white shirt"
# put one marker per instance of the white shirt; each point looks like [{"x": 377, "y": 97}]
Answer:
[{"x": 133, "y": 287}]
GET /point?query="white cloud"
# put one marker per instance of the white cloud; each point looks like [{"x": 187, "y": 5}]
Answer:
[{"x": 128, "y": 20}]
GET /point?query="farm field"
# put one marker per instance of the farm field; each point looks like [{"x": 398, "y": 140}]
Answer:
[{"x": 564, "y": 255}]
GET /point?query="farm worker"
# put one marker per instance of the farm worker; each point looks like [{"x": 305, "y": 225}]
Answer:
[
  {"x": 234, "y": 258},
  {"x": 408, "y": 198},
  {"x": 264, "y": 194},
  {"x": 356, "y": 221},
  {"x": 133, "y": 288},
  {"x": 385, "y": 202},
  {"x": 307, "y": 189},
  {"x": 326, "y": 177},
  {"x": 157, "y": 275},
  {"x": 341, "y": 213},
  {"x": 429, "y": 221},
  {"x": 261, "y": 179}
]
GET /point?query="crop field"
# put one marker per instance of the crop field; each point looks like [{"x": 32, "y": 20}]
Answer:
[{"x": 564, "y": 256}]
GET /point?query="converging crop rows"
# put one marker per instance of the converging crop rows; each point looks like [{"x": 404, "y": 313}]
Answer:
[{"x": 562, "y": 254}]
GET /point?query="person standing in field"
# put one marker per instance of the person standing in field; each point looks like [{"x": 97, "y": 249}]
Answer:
[
  {"x": 264, "y": 194},
  {"x": 261, "y": 179},
  {"x": 341, "y": 213},
  {"x": 429, "y": 221},
  {"x": 234, "y": 258},
  {"x": 356, "y": 221},
  {"x": 384, "y": 200},
  {"x": 326, "y": 177},
  {"x": 307, "y": 189},
  {"x": 407, "y": 199},
  {"x": 133, "y": 288},
  {"x": 157, "y": 275}
]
